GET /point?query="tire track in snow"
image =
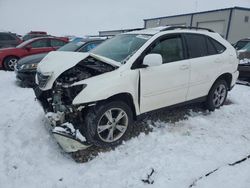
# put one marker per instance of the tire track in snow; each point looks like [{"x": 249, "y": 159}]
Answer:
[{"x": 194, "y": 183}]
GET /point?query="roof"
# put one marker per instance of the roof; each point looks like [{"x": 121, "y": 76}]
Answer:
[
  {"x": 155, "y": 30},
  {"x": 209, "y": 11},
  {"x": 149, "y": 31},
  {"x": 45, "y": 37},
  {"x": 121, "y": 30}
]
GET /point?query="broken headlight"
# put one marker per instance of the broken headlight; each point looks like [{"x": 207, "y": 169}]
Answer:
[
  {"x": 42, "y": 79},
  {"x": 70, "y": 92}
]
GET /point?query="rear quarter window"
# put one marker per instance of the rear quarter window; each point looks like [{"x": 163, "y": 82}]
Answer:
[
  {"x": 57, "y": 43},
  {"x": 218, "y": 46}
]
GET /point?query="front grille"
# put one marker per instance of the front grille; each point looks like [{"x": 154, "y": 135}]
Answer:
[{"x": 42, "y": 79}]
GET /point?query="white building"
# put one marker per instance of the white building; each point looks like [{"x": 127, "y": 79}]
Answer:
[{"x": 232, "y": 23}]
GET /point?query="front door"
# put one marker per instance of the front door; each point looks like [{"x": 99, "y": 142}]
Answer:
[{"x": 166, "y": 84}]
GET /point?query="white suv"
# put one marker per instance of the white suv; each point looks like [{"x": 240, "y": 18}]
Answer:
[{"x": 102, "y": 92}]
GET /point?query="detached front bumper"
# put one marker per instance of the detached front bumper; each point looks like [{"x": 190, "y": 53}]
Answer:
[{"x": 69, "y": 138}]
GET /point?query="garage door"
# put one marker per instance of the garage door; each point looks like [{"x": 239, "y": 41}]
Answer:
[{"x": 217, "y": 26}]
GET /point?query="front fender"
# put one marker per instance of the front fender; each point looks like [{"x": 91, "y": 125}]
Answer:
[{"x": 109, "y": 84}]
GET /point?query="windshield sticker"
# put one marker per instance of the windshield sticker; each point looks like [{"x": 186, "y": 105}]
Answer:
[{"x": 146, "y": 37}]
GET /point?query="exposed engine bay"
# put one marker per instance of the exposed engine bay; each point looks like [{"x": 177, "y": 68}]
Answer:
[{"x": 59, "y": 99}]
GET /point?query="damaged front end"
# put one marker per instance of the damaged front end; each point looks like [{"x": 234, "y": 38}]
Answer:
[{"x": 68, "y": 119}]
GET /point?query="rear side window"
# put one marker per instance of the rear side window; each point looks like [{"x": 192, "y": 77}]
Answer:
[
  {"x": 42, "y": 43},
  {"x": 201, "y": 45},
  {"x": 57, "y": 43},
  {"x": 197, "y": 46},
  {"x": 211, "y": 50}
]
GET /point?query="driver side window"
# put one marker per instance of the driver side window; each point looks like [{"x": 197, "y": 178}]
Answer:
[{"x": 170, "y": 49}]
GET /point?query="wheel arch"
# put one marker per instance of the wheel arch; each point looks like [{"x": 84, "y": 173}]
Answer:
[
  {"x": 126, "y": 98},
  {"x": 227, "y": 77},
  {"x": 10, "y": 56}
]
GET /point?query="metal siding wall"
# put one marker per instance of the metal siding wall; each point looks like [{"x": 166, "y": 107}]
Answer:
[
  {"x": 219, "y": 16},
  {"x": 105, "y": 33},
  {"x": 187, "y": 19},
  {"x": 180, "y": 20},
  {"x": 239, "y": 29},
  {"x": 152, "y": 23}
]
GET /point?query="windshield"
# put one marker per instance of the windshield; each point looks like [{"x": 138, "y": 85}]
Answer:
[
  {"x": 71, "y": 47},
  {"x": 121, "y": 47},
  {"x": 241, "y": 44},
  {"x": 23, "y": 43},
  {"x": 246, "y": 47}
]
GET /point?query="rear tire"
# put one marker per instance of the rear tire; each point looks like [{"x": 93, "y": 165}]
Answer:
[
  {"x": 217, "y": 95},
  {"x": 10, "y": 62},
  {"x": 108, "y": 124}
]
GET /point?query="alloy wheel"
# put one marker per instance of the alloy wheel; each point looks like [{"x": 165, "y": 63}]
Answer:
[
  {"x": 219, "y": 95},
  {"x": 11, "y": 63},
  {"x": 112, "y": 125}
]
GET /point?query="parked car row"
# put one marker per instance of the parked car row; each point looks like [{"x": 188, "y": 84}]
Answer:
[
  {"x": 26, "y": 67},
  {"x": 243, "y": 47},
  {"x": 8, "y": 39},
  {"x": 9, "y": 56},
  {"x": 8, "y": 62}
]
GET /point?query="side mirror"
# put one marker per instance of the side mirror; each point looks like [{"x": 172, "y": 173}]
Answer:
[
  {"x": 151, "y": 60},
  {"x": 28, "y": 47}
]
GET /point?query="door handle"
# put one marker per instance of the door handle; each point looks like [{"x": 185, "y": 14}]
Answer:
[{"x": 184, "y": 67}]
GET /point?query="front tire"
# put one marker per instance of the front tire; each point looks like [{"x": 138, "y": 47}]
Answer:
[
  {"x": 108, "y": 124},
  {"x": 10, "y": 62},
  {"x": 217, "y": 95}
]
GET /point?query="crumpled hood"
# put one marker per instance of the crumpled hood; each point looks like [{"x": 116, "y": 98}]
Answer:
[{"x": 56, "y": 62}]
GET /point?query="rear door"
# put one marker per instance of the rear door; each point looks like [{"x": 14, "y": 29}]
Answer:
[
  {"x": 206, "y": 63},
  {"x": 166, "y": 84}
]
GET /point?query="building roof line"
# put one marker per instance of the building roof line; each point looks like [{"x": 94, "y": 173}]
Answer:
[{"x": 202, "y": 12}]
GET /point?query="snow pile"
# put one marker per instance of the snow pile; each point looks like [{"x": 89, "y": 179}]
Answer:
[
  {"x": 179, "y": 153},
  {"x": 244, "y": 61},
  {"x": 68, "y": 128}
]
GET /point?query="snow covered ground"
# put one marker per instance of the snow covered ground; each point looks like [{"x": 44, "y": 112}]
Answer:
[{"x": 179, "y": 153}]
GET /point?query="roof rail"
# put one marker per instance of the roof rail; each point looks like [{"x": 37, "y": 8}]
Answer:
[{"x": 186, "y": 27}]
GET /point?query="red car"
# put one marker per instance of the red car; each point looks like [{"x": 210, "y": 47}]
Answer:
[{"x": 9, "y": 56}]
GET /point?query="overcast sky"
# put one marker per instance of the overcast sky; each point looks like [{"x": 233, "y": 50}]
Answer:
[{"x": 81, "y": 17}]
